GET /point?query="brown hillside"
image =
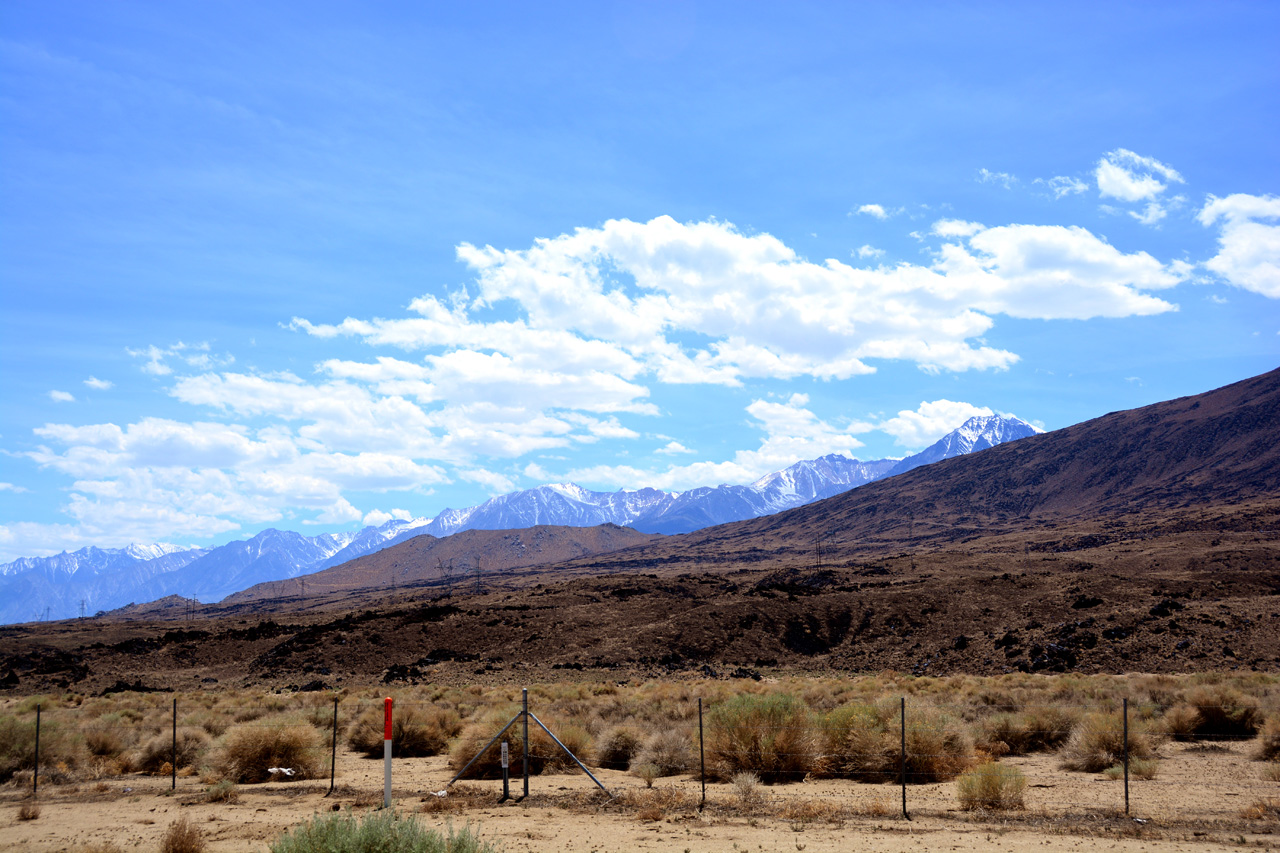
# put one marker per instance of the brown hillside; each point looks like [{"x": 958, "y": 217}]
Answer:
[{"x": 458, "y": 560}]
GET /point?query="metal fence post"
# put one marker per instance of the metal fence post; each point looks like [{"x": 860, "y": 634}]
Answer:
[
  {"x": 903, "y": 762},
  {"x": 173, "y": 764},
  {"x": 35, "y": 773},
  {"x": 702, "y": 757},
  {"x": 1126, "y": 756},
  {"x": 524, "y": 693}
]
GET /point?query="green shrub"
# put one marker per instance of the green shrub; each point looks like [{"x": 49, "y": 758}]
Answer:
[
  {"x": 376, "y": 831},
  {"x": 249, "y": 751},
  {"x": 771, "y": 735},
  {"x": 414, "y": 733},
  {"x": 991, "y": 786},
  {"x": 1098, "y": 742}
]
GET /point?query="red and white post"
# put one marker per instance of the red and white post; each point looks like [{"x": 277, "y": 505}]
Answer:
[{"x": 386, "y": 753}]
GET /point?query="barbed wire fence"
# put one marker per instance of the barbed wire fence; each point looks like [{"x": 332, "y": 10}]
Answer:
[{"x": 893, "y": 756}]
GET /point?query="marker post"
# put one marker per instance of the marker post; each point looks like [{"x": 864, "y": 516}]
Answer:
[{"x": 386, "y": 753}]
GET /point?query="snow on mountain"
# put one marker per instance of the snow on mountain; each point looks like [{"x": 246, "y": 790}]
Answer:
[
  {"x": 977, "y": 433},
  {"x": 99, "y": 579}
]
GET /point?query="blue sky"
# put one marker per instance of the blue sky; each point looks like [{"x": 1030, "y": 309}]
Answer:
[{"x": 311, "y": 266}]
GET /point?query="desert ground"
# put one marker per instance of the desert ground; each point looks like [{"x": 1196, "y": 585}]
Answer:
[{"x": 1196, "y": 793}]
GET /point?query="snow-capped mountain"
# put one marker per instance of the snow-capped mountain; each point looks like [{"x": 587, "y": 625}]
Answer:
[
  {"x": 92, "y": 579},
  {"x": 975, "y": 434}
]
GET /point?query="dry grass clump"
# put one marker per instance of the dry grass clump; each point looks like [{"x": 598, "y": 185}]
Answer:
[
  {"x": 105, "y": 737},
  {"x": 1144, "y": 769},
  {"x": 1262, "y": 809},
  {"x": 1037, "y": 729},
  {"x": 769, "y": 735},
  {"x": 747, "y": 788},
  {"x": 157, "y": 754},
  {"x": 991, "y": 786},
  {"x": 28, "y": 811},
  {"x": 489, "y": 766},
  {"x": 1269, "y": 741},
  {"x": 864, "y": 742},
  {"x": 1216, "y": 712},
  {"x": 60, "y": 748},
  {"x": 224, "y": 791},
  {"x": 414, "y": 732},
  {"x": 617, "y": 746},
  {"x": 1098, "y": 743},
  {"x": 182, "y": 836},
  {"x": 669, "y": 752},
  {"x": 249, "y": 751},
  {"x": 653, "y": 804}
]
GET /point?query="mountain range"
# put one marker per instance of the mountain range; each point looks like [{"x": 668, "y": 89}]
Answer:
[{"x": 95, "y": 579}]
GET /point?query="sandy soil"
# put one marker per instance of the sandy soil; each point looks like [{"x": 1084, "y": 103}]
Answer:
[{"x": 1196, "y": 803}]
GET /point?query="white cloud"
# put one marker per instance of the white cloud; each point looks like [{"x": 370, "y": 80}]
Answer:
[
  {"x": 956, "y": 228},
  {"x": 1005, "y": 179},
  {"x": 673, "y": 448},
  {"x": 99, "y": 384},
  {"x": 377, "y": 517},
  {"x": 1128, "y": 176},
  {"x": 1248, "y": 241},
  {"x": 791, "y": 432},
  {"x": 199, "y": 356},
  {"x": 869, "y": 251},
  {"x": 875, "y": 210},
  {"x": 1151, "y": 214},
  {"x": 1063, "y": 186},
  {"x": 930, "y": 421},
  {"x": 493, "y": 482},
  {"x": 10, "y": 487},
  {"x": 61, "y": 397}
]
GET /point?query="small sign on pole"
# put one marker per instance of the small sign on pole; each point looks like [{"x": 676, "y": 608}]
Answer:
[
  {"x": 386, "y": 752},
  {"x": 506, "y": 774}
]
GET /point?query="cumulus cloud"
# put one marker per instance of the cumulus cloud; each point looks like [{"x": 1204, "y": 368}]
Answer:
[
  {"x": 198, "y": 355},
  {"x": 1127, "y": 176},
  {"x": 377, "y": 517},
  {"x": 791, "y": 432},
  {"x": 956, "y": 228},
  {"x": 1248, "y": 241},
  {"x": 99, "y": 384},
  {"x": 930, "y": 421},
  {"x": 875, "y": 210},
  {"x": 673, "y": 448},
  {"x": 869, "y": 251},
  {"x": 61, "y": 397},
  {"x": 10, "y": 487}
]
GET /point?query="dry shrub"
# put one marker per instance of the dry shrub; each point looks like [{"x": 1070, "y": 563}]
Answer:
[
  {"x": 938, "y": 749},
  {"x": 616, "y": 747},
  {"x": 1180, "y": 722},
  {"x": 103, "y": 739},
  {"x": 1144, "y": 769},
  {"x": 1224, "y": 714},
  {"x": 489, "y": 765},
  {"x": 747, "y": 788},
  {"x": 182, "y": 836},
  {"x": 663, "y": 800},
  {"x": 669, "y": 751},
  {"x": 28, "y": 811},
  {"x": 224, "y": 791},
  {"x": 1260, "y": 809},
  {"x": 414, "y": 733},
  {"x": 991, "y": 786},
  {"x": 157, "y": 753},
  {"x": 60, "y": 748},
  {"x": 809, "y": 810},
  {"x": 864, "y": 742},
  {"x": 1098, "y": 742},
  {"x": 771, "y": 736},
  {"x": 1037, "y": 729},
  {"x": 1269, "y": 741},
  {"x": 651, "y": 814},
  {"x": 248, "y": 751},
  {"x": 576, "y": 739}
]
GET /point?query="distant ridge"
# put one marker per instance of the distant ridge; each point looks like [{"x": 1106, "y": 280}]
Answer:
[{"x": 92, "y": 579}]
